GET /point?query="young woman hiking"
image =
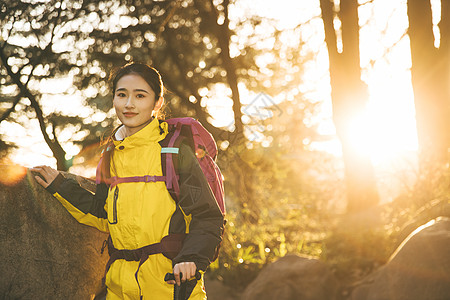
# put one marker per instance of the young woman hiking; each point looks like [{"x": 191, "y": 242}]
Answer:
[{"x": 169, "y": 237}]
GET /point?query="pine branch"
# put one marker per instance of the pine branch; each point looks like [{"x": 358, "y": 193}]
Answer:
[
  {"x": 54, "y": 146},
  {"x": 7, "y": 113}
]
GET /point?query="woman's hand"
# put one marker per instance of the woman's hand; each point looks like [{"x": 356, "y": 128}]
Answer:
[
  {"x": 47, "y": 173},
  {"x": 186, "y": 268}
]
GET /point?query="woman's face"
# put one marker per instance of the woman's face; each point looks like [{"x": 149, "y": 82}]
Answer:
[{"x": 134, "y": 102}]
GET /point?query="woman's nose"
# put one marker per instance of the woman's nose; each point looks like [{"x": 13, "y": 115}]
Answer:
[{"x": 129, "y": 102}]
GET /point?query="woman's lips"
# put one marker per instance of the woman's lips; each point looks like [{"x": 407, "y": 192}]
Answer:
[{"x": 129, "y": 114}]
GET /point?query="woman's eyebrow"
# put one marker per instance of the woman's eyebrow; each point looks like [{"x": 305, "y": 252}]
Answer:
[
  {"x": 141, "y": 90},
  {"x": 136, "y": 90}
]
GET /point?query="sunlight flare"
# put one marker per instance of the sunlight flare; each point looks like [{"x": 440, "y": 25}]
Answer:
[{"x": 11, "y": 173}]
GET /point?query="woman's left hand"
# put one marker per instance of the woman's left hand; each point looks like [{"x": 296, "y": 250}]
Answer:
[
  {"x": 187, "y": 269},
  {"x": 48, "y": 174}
]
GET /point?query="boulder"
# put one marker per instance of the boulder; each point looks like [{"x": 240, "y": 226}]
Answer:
[
  {"x": 293, "y": 277},
  {"x": 419, "y": 269},
  {"x": 216, "y": 290},
  {"x": 45, "y": 253}
]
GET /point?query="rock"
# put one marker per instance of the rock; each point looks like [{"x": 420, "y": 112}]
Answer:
[
  {"x": 45, "y": 253},
  {"x": 216, "y": 290},
  {"x": 419, "y": 269},
  {"x": 293, "y": 277}
]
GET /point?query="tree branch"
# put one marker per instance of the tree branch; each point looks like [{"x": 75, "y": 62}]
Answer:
[
  {"x": 330, "y": 34},
  {"x": 12, "y": 108},
  {"x": 10, "y": 31},
  {"x": 19, "y": 96},
  {"x": 201, "y": 114},
  {"x": 222, "y": 33},
  {"x": 54, "y": 146},
  {"x": 175, "y": 5}
]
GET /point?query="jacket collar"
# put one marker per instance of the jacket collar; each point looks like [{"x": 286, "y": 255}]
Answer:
[{"x": 154, "y": 131}]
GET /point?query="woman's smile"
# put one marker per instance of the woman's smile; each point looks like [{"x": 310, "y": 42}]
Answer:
[{"x": 129, "y": 114}]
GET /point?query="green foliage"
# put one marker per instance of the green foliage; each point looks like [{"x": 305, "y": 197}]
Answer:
[
  {"x": 41, "y": 43},
  {"x": 280, "y": 197},
  {"x": 85, "y": 40},
  {"x": 248, "y": 247},
  {"x": 427, "y": 199},
  {"x": 357, "y": 246}
]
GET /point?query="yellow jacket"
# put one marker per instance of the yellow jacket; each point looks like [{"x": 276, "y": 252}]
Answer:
[{"x": 137, "y": 214}]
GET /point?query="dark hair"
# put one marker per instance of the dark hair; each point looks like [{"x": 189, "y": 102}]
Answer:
[
  {"x": 149, "y": 74},
  {"x": 154, "y": 80}
]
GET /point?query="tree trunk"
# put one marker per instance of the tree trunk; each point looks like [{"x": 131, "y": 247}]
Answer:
[
  {"x": 222, "y": 33},
  {"x": 223, "y": 36},
  {"x": 430, "y": 74},
  {"x": 53, "y": 144},
  {"x": 349, "y": 95}
]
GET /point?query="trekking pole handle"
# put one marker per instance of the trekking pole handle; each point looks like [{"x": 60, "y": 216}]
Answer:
[{"x": 171, "y": 276}]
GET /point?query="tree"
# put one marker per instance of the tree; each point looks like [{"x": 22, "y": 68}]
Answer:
[
  {"x": 430, "y": 74},
  {"x": 349, "y": 95},
  {"x": 222, "y": 32},
  {"x": 182, "y": 39},
  {"x": 34, "y": 49},
  {"x": 84, "y": 40},
  {"x": 188, "y": 41}
]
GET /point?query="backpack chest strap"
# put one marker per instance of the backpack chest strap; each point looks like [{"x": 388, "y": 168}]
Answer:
[{"x": 147, "y": 178}]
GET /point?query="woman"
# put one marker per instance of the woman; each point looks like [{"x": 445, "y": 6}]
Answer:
[{"x": 139, "y": 214}]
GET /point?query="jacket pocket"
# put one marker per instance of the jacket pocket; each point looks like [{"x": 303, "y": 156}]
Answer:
[{"x": 112, "y": 209}]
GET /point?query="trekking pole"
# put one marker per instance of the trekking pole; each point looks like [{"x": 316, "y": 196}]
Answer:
[{"x": 179, "y": 292}]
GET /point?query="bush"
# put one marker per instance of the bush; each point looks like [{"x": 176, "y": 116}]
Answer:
[{"x": 274, "y": 207}]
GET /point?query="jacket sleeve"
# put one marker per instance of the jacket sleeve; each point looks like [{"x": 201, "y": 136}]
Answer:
[
  {"x": 199, "y": 205},
  {"x": 85, "y": 207}
]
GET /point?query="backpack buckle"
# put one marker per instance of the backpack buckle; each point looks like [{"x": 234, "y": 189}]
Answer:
[{"x": 149, "y": 178}]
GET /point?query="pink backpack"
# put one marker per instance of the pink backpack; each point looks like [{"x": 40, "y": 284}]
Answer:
[{"x": 202, "y": 143}]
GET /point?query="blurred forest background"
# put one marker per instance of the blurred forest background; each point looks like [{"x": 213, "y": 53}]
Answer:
[{"x": 285, "y": 88}]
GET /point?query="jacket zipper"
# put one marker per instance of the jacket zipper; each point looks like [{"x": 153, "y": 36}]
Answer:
[{"x": 114, "y": 212}]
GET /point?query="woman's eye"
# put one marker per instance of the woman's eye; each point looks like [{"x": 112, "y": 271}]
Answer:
[
  {"x": 140, "y": 96},
  {"x": 120, "y": 95}
]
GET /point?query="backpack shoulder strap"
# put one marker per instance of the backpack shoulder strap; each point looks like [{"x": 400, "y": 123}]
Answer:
[{"x": 170, "y": 147}]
